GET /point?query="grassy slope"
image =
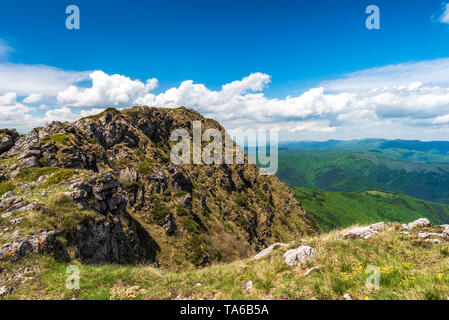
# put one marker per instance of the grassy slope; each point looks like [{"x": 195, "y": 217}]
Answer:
[
  {"x": 342, "y": 209},
  {"x": 409, "y": 270},
  {"x": 349, "y": 171}
]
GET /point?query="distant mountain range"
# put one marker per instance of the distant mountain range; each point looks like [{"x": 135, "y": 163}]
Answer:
[{"x": 415, "y": 168}]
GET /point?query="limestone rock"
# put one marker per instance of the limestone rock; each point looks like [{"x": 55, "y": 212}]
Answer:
[
  {"x": 7, "y": 139},
  {"x": 268, "y": 250},
  {"x": 43, "y": 242},
  {"x": 422, "y": 222},
  {"x": 296, "y": 256},
  {"x": 360, "y": 233}
]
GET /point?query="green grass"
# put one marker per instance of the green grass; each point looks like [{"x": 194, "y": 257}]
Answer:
[
  {"x": 57, "y": 138},
  {"x": 32, "y": 174},
  {"x": 61, "y": 215},
  {"x": 407, "y": 271},
  {"x": 6, "y": 186},
  {"x": 59, "y": 176},
  {"x": 342, "y": 209}
]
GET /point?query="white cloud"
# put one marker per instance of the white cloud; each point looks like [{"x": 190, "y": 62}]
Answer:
[
  {"x": 13, "y": 114},
  {"x": 38, "y": 79},
  {"x": 107, "y": 90},
  {"x": 60, "y": 114},
  {"x": 91, "y": 112},
  {"x": 445, "y": 16},
  {"x": 4, "y": 48},
  {"x": 430, "y": 73},
  {"x": 33, "y": 98},
  {"x": 396, "y": 101}
]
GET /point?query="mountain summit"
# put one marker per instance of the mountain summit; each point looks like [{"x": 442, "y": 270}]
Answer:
[{"x": 103, "y": 190}]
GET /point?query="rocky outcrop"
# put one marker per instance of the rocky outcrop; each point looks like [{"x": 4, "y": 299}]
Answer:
[
  {"x": 365, "y": 232},
  {"x": 423, "y": 222},
  {"x": 268, "y": 250},
  {"x": 7, "y": 139},
  {"x": 43, "y": 242},
  {"x": 105, "y": 241},
  {"x": 191, "y": 208},
  {"x": 294, "y": 257}
]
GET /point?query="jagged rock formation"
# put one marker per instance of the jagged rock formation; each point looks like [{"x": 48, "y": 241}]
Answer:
[{"x": 174, "y": 213}]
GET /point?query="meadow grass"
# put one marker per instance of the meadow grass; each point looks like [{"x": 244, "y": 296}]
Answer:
[{"x": 408, "y": 270}]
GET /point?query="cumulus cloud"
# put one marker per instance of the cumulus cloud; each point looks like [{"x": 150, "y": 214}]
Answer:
[
  {"x": 388, "y": 102},
  {"x": 107, "y": 90},
  {"x": 33, "y": 98},
  {"x": 13, "y": 114}
]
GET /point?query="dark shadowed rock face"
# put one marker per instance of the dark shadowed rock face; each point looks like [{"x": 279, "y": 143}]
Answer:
[
  {"x": 152, "y": 208},
  {"x": 7, "y": 139}
]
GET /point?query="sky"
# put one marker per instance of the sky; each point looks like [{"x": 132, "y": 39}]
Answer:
[{"x": 310, "y": 69}]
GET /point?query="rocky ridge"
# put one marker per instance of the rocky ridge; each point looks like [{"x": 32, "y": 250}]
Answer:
[{"x": 117, "y": 165}]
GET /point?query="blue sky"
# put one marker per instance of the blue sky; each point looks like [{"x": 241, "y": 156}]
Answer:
[{"x": 299, "y": 45}]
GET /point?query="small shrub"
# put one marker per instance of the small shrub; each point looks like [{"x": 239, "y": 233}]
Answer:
[
  {"x": 181, "y": 211},
  {"x": 159, "y": 211},
  {"x": 145, "y": 167},
  {"x": 240, "y": 199}
]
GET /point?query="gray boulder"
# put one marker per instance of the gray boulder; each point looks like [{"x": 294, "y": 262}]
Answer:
[
  {"x": 268, "y": 250},
  {"x": 299, "y": 255}
]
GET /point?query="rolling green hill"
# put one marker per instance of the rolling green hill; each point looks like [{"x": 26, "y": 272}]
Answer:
[
  {"x": 335, "y": 210},
  {"x": 341, "y": 170}
]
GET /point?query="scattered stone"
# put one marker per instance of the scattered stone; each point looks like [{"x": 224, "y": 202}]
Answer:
[
  {"x": 360, "y": 233},
  {"x": 128, "y": 175},
  {"x": 346, "y": 296},
  {"x": 425, "y": 235},
  {"x": 423, "y": 222},
  {"x": 12, "y": 203},
  {"x": 433, "y": 240},
  {"x": 15, "y": 235},
  {"x": 4, "y": 291},
  {"x": 42, "y": 242},
  {"x": 169, "y": 224},
  {"x": 17, "y": 221},
  {"x": 268, "y": 250},
  {"x": 7, "y": 195},
  {"x": 7, "y": 215},
  {"x": 296, "y": 256},
  {"x": 249, "y": 286},
  {"x": 365, "y": 232},
  {"x": 42, "y": 178}
]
